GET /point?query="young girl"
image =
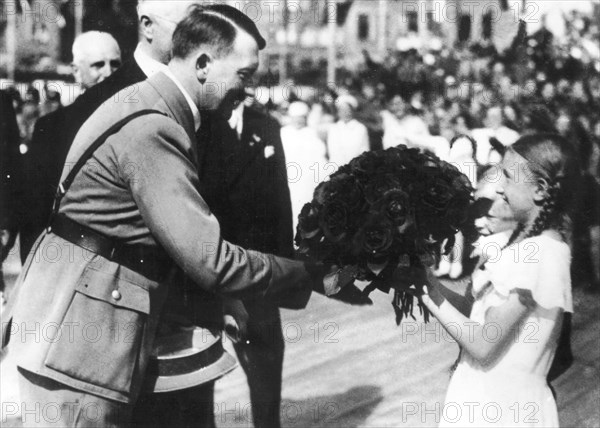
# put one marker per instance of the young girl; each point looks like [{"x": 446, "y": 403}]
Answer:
[{"x": 520, "y": 296}]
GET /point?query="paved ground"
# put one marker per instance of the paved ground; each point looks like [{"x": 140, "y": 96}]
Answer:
[{"x": 352, "y": 367}]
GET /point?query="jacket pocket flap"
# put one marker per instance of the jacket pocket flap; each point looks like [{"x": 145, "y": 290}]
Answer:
[{"x": 114, "y": 290}]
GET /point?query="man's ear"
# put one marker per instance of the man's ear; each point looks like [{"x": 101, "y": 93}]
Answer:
[
  {"x": 203, "y": 65},
  {"x": 146, "y": 26},
  {"x": 541, "y": 190}
]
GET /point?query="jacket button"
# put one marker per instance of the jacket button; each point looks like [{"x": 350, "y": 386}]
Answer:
[{"x": 116, "y": 294}]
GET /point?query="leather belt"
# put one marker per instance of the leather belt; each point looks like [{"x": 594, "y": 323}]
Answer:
[{"x": 151, "y": 262}]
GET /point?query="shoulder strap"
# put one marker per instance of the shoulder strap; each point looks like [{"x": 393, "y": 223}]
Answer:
[{"x": 66, "y": 184}]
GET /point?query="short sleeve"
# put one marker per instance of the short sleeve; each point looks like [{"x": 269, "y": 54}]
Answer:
[{"x": 540, "y": 265}]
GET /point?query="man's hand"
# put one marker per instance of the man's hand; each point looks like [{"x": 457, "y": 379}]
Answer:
[{"x": 338, "y": 284}]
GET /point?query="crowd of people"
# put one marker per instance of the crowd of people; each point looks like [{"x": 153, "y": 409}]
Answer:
[{"x": 427, "y": 98}]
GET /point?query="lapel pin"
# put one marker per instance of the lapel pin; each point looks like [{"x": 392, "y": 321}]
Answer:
[{"x": 269, "y": 151}]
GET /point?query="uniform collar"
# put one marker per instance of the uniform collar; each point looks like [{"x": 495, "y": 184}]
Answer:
[
  {"x": 175, "y": 101},
  {"x": 188, "y": 98}
]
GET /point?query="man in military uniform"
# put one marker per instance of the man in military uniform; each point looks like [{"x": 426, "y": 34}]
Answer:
[{"x": 123, "y": 219}]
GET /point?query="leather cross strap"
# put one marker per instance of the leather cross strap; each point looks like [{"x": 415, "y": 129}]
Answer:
[
  {"x": 66, "y": 184},
  {"x": 148, "y": 261}
]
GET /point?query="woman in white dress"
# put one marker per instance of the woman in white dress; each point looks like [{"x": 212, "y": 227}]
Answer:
[{"x": 520, "y": 296}]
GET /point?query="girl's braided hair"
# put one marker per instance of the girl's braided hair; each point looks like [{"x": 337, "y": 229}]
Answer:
[{"x": 555, "y": 161}]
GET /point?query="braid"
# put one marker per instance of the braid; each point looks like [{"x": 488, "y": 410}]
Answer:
[
  {"x": 547, "y": 216},
  {"x": 546, "y": 219}
]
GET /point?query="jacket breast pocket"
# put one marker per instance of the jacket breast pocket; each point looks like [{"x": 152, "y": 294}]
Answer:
[{"x": 101, "y": 331}]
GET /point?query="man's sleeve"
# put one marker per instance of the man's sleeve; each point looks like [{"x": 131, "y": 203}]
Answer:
[{"x": 163, "y": 179}]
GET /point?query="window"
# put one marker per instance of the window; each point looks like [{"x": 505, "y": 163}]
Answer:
[
  {"x": 363, "y": 27},
  {"x": 413, "y": 21},
  {"x": 431, "y": 21},
  {"x": 464, "y": 28},
  {"x": 486, "y": 26}
]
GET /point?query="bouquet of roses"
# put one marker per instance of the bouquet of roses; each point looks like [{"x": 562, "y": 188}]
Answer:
[{"x": 383, "y": 210}]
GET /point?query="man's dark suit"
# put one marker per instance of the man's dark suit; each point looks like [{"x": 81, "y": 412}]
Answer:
[
  {"x": 52, "y": 138},
  {"x": 244, "y": 181},
  {"x": 10, "y": 175}
]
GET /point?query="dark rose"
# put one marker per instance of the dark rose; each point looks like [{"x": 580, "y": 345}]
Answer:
[
  {"x": 341, "y": 187},
  {"x": 378, "y": 185},
  {"x": 395, "y": 205},
  {"x": 437, "y": 193},
  {"x": 457, "y": 211},
  {"x": 334, "y": 221},
  {"x": 308, "y": 222},
  {"x": 375, "y": 238},
  {"x": 368, "y": 163}
]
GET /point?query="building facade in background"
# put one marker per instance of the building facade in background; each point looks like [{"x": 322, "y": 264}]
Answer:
[{"x": 36, "y": 35}]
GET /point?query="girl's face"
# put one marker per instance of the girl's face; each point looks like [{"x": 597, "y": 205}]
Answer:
[{"x": 518, "y": 187}]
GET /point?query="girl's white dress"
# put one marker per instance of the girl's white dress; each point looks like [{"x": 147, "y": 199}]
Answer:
[{"x": 512, "y": 390}]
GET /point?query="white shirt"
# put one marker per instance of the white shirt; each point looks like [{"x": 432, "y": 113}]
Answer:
[
  {"x": 402, "y": 131},
  {"x": 149, "y": 65},
  {"x": 236, "y": 121},
  {"x": 306, "y": 164},
  {"x": 346, "y": 140}
]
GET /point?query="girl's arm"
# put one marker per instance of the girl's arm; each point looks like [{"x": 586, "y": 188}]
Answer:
[{"x": 482, "y": 341}]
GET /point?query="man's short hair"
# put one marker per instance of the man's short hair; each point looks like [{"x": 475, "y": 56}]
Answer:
[
  {"x": 91, "y": 38},
  {"x": 214, "y": 25}
]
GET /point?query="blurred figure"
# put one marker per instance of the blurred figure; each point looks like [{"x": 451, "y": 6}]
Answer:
[
  {"x": 370, "y": 105},
  {"x": 348, "y": 137},
  {"x": 27, "y": 118},
  {"x": 399, "y": 124},
  {"x": 322, "y": 113},
  {"x": 494, "y": 128},
  {"x": 52, "y": 101},
  {"x": 305, "y": 155},
  {"x": 96, "y": 55}
]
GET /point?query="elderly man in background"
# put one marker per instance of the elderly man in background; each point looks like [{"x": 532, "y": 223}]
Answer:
[
  {"x": 347, "y": 138},
  {"x": 96, "y": 55}
]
